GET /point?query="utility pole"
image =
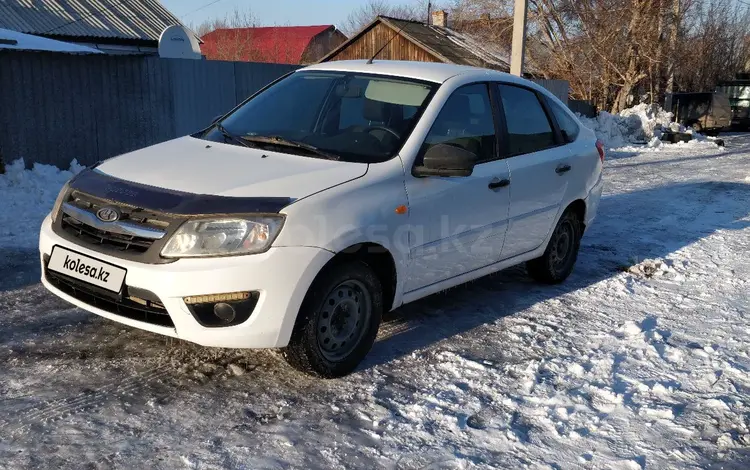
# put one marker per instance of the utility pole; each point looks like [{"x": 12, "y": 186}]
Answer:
[
  {"x": 519, "y": 37},
  {"x": 672, "y": 46}
]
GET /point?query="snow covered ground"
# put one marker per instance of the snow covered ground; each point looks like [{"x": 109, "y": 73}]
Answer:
[{"x": 639, "y": 361}]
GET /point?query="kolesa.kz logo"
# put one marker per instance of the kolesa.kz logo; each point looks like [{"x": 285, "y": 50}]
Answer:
[{"x": 90, "y": 271}]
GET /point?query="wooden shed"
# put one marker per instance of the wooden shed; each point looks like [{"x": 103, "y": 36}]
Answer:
[
  {"x": 416, "y": 41},
  {"x": 436, "y": 42}
]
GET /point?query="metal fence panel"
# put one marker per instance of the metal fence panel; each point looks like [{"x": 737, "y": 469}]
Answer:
[
  {"x": 202, "y": 90},
  {"x": 57, "y": 107},
  {"x": 559, "y": 88},
  {"x": 134, "y": 107},
  {"x": 251, "y": 77},
  {"x": 584, "y": 108}
]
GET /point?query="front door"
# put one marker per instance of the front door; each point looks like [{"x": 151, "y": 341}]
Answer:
[{"x": 458, "y": 224}]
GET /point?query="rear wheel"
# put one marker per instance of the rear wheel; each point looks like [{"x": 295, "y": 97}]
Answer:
[
  {"x": 338, "y": 322},
  {"x": 558, "y": 260}
]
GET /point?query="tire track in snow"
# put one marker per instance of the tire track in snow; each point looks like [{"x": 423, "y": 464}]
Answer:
[{"x": 85, "y": 401}]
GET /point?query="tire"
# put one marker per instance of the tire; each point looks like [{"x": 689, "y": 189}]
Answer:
[
  {"x": 551, "y": 267},
  {"x": 329, "y": 339}
]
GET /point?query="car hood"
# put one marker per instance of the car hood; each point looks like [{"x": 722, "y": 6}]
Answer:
[{"x": 197, "y": 166}]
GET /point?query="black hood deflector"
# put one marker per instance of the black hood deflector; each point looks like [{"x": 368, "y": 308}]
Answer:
[{"x": 169, "y": 201}]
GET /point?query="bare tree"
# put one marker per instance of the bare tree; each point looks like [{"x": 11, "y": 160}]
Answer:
[
  {"x": 715, "y": 45},
  {"x": 613, "y": 52},
  {"x": 239, "y": 18},
  {"x": 365, "y": 14}
]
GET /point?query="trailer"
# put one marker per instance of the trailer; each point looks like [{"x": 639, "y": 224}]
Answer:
[{"x": 738, "y": 91}]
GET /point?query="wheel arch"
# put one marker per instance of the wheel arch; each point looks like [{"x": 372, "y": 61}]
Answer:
[
  {"x": 379, "y": 259},
  {"x": 578, "y": 207}
]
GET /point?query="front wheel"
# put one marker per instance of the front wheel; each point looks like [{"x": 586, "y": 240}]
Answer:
[
  {"x": 557, "y": 262},
  {"x": 338, "y": 322}
]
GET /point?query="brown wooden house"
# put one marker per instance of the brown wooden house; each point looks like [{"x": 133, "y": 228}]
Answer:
[{"x": 416, "y": 41}]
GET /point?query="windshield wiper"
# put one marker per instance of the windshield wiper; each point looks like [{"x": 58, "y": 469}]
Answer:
[
  {"x": 231, "y": 136},
  {"x": 278, "y": 140}
]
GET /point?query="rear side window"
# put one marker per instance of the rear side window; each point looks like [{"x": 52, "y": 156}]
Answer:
[
  {"x": 567, "y": 124},
  {"x": 466, "y": 121},
  {"x": 529, "y": 129}
]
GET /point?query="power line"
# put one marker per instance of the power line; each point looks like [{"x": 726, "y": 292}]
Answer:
[
  {"x": 200, "y": 8},
  {"x": 87, "y": 16}
]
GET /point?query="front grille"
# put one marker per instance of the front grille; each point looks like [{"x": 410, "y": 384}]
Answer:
[
  {"x": 137, "y": 235},
  {"x": 93, "y": 236},
  {"x": 134, "y": 308}
]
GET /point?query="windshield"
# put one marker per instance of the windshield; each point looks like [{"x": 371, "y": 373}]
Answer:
[{"x": 349, "y": 116}]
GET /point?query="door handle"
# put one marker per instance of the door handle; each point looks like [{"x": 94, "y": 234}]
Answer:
[
  {"x": 498, "y": 183},
  {"x": 562, "y": 169}
]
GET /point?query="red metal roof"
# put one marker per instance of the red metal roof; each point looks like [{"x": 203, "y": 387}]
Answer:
[{"x": 281, "y": 45}]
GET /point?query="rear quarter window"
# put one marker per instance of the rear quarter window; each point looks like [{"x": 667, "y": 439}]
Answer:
[{"x": 567, "y": 124}]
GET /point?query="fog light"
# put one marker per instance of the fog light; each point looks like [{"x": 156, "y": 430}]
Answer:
[
  {"x": 205, "y": 299},
  {"x": 224, "y": 312}
]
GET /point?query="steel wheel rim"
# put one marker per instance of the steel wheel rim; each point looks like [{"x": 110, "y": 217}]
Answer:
[
  {"x": 343, "y": 319},
  {"x": 562, "y": 244}
]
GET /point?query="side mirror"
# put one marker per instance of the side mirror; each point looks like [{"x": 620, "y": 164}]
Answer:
[{"x": 446, "y": 160}]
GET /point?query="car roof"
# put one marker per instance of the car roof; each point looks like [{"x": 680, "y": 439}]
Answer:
[{"x": 428, "y": 71}]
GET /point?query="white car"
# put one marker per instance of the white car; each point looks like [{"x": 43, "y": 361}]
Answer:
[{"x": 338, "y": 192}]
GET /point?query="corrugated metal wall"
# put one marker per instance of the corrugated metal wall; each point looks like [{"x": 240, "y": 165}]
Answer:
[
  {"x": 57, "y": 107},
  {"x": 559, "y": 88}
]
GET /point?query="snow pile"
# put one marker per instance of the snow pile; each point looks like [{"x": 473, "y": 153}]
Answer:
[
  {"x": 639, "y": 124},
  {"x": 699, "y": 143},
  {"x": 27, "y": 197}
]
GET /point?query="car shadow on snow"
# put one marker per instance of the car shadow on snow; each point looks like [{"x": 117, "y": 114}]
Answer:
[{"x": 630, "y": 227}]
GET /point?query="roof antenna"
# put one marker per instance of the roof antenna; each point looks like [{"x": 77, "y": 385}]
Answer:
[{"x": 386, "y": 44}]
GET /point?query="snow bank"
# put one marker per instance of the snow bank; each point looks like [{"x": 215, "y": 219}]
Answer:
[
  {"x": 27, "y": 197},
  {"x": 639, "y": 124},
  {"x": 698, "y": 143}
]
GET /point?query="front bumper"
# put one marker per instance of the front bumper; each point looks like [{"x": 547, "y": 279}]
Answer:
[{"x": 281, "y": 277}]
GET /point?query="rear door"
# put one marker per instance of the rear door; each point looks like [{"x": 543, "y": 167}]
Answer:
[{"x": 540, "y": 168}]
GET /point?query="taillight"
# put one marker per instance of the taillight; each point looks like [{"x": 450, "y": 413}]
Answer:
[{"x": 600, "y": 148}]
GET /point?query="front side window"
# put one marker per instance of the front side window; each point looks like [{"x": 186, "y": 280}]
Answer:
[
  {"x": 529, "y": 129},
  {"x": 354, "y": 117},
  {"x": 466, "y": 121}
]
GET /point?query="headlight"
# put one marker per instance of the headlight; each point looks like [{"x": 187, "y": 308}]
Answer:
[
  {"x": 59, "y": 201},
  {"x": 221, "y": 237}
]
